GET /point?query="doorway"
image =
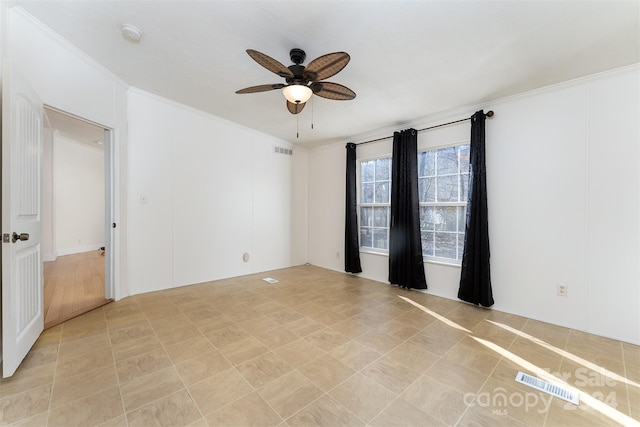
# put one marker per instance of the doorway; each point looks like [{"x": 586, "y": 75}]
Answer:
[{"x": 75, "y": 211}]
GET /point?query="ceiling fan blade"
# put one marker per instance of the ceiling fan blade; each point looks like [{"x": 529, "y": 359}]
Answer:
[
  {"x": 295, "y": 108},
  {"x": 270, "y": 64},
  {"x": 261, "y": 88},
  {"x": 326, "y": 66},
  {"x": 333, "y": 91}
]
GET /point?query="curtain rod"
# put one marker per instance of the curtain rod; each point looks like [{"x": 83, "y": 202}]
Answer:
[{"x": 487, "y": 114}]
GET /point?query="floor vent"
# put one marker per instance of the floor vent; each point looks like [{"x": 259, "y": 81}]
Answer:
[
  {"x": 280, "y": 150},
  {"x": 547, "y": 387}
]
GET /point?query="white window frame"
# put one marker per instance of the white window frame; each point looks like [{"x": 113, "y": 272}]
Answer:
[
  {"x": 369, "y": 249},
  {"x": 461, "y": 228}
]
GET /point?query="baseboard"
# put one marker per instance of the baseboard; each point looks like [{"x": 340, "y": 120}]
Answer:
[
  {"x": 80, "y": 249},
  {"x": 49, "y": 257}
]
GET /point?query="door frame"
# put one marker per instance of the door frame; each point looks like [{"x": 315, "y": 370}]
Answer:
[
  {"x": 109, "y": 202},
  {"x": 109, "y": 214}
]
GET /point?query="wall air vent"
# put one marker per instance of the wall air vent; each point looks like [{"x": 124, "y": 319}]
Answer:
[
  {"x": 281, "y": 150},
  {"x": 547, "y": 387}
]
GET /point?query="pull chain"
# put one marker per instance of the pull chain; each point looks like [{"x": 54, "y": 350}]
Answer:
[
  {"x": 312, "y": 112},
  {"x": 298, "y": 125}
]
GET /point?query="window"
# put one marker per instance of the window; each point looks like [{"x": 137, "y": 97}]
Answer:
[
  {"x": 443, "y": 178},
  {"x": 375, "y": 191}
]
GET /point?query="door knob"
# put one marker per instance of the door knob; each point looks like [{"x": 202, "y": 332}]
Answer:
[{"x": 21, "y": 236}]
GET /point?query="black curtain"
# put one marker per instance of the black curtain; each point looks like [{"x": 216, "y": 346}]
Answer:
[
  {"x": 351, "y": 245},
  {"x": 406, "y": 267},
  {"x": 475, "y": 277}
]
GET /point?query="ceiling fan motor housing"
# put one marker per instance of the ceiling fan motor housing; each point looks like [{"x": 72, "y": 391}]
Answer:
[
  {"x": 298, "y": 78},
  {"x": 297, "y": 55}
]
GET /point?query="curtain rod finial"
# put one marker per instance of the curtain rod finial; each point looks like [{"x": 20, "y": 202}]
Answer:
[{"x": 489, "y": 113}]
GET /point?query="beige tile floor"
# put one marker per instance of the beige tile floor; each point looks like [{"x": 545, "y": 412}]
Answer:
[{"x": 317, "y": 348}]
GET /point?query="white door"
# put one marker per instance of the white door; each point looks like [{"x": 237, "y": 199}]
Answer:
[{"x": 22, "y": 287}]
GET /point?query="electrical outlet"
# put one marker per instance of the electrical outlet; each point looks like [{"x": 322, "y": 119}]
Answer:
[{"x": 561, "y": 290}]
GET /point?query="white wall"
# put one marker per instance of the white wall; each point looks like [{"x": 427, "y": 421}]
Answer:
[
  {"x": 613, "y": 216},
  {"x": 326, "y": 206},
  {"x": 78, "y": 183},
  {"x": 300, "y": 207},
  {"x": 67, "y": 79},
  {"x": 203, "y": 192},
  {"x": 563, "y": 172}
]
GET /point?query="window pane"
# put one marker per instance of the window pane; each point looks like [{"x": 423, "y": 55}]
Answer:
[
  {"x": 426, "y": 190},
  {"x": 464, "y": 158},
  {"x": 446, "y": 245},
  {"x": 365, "y": 237},
  {"x": 366, "y": 215},
  {"x": 427, "y": 243},
  {"x": 383, "y": 168},
  {"x": 462, "y": 218},
  {"x": 367, "y": 171},
  {"x": 464, "y": 187},
  {"x": 382, "y": 192},
  {"x": 437, "y": 218},
  {"x": 460, "y": 245},
  {"x": 447, "y": 217},
  {"x": 380, "y": 238},
  {"x": 381, "y": 217},
  {"x": 367, "y": 193},
  {"x": 427, "y": 220},
  {"x": 447, "y": 188},
  {"x": 447, "y": 161},
  {"x": 427, "y": 163}
]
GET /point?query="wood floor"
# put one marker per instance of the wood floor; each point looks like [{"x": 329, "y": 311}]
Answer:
[{"x": 73, "y": 285}]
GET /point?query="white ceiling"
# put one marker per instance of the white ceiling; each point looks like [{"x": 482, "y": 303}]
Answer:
[{"x": 409, "y": 59}]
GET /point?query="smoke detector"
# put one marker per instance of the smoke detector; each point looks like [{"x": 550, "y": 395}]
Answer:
[{"x": 131, "y": 33}]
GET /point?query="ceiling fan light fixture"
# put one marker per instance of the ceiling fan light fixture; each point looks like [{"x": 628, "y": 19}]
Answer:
[{"x": 297, "y": 94}]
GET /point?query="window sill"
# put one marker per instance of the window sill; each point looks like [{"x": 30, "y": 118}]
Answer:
[
  {"x": 371, "y": 252},
  {"x": 425, "y": 260},
  {"x": 443, "y": 262}
]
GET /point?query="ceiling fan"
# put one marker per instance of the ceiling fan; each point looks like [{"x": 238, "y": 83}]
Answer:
[{"x": 303, "y": 82}]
